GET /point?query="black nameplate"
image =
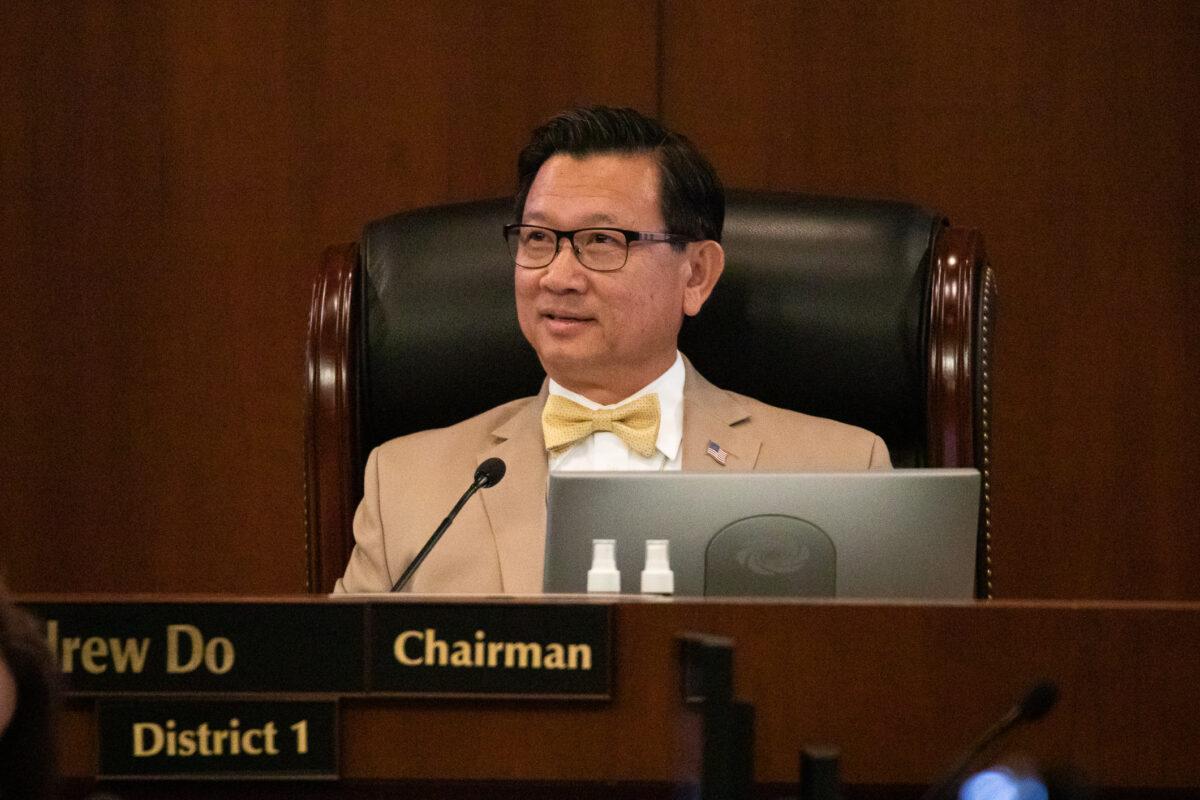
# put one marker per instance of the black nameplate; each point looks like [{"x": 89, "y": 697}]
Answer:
[
  {"x": 211, "y": 739},
  {"x": 206, "y": 647},
  {"x": 542, "y": 651}
]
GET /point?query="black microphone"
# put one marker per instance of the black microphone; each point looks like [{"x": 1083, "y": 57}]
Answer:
[
  {"x": 1034, "y": 705},
  {"x": 488, "y": 474}
]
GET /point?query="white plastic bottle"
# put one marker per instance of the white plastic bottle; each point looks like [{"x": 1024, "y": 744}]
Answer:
[{"x": 657, "y": 577}]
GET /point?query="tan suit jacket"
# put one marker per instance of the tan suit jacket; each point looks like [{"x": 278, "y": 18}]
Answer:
[{"x": 497, "y": 544}]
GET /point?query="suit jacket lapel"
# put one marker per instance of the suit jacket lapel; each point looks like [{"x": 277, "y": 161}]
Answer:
[
  {"x": 516, "y": 507},
  {"x": 713, "y": 415}
]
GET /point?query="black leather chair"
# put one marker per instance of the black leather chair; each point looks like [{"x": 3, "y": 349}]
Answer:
[{"x": 875, "y": 313}]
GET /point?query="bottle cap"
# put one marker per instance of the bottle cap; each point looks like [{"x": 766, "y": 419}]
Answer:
[
  {"x": 603, "y": 576},
  {"x": 657, "y": 577}
]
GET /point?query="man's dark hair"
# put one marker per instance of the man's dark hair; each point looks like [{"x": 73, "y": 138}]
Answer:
[{"x": 690, "y": 193}]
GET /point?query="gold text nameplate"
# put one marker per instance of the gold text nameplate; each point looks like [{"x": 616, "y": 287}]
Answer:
[{"x": 413, "y": 648}]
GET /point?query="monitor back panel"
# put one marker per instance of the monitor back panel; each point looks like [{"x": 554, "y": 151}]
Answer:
[{"x": 886, "y": 534}]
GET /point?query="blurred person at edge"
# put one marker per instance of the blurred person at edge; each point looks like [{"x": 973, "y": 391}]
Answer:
[{"x": 28, "y": 700}]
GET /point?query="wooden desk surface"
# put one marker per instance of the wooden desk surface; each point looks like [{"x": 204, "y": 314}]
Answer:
[{"x": 901, "y": 688}]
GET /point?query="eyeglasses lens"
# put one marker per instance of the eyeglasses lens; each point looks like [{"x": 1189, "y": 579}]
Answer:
[
  {"x": 535, "y": 247},
  {"x": 601, "y": 249}
]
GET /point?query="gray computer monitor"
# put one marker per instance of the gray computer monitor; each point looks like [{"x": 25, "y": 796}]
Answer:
[{"x": 906, "y": 533}]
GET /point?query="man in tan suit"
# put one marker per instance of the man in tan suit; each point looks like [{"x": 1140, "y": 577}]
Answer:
[{"x": 641, "y": 211}]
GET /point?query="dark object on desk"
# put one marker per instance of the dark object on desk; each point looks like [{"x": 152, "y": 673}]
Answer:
[
  {"x": 706, "y": 664},
  {"x": 875, "y": 313},
  {"x": 727, "y": 741},
  {"x": 819, "y": 773}
]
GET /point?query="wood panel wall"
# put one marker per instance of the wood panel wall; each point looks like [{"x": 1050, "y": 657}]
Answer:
[{"x": 171, "y": 172}]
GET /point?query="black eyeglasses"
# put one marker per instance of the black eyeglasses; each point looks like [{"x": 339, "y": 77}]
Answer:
[{"x": 600, "y": 249}]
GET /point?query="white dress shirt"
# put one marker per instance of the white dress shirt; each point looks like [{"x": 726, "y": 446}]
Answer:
[{"x": 604, "y": 450}]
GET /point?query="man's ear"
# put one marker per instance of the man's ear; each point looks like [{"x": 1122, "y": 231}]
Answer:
[{"x": 706, "y": 262}]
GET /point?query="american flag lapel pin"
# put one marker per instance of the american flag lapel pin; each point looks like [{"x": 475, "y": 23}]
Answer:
[{"x": 716, "y": 452}]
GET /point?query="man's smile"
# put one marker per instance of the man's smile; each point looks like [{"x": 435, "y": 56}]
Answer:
[
  {"x": 566, "y": 315},
  {"x": 565, "y": 322}
]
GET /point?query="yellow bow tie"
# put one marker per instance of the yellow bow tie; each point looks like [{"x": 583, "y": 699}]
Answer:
[{"x": 565, "y": 422}]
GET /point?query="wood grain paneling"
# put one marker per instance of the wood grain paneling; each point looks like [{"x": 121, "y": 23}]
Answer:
[
  {"x": 1067, "y": 134},
  {"x": 171, "y": 173},
  {"x": 900, "y": 688}
]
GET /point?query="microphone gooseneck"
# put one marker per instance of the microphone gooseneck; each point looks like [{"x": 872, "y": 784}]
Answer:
[
  {"x": 489, "y": 473},
  {"x": 1033, "y": 705}
]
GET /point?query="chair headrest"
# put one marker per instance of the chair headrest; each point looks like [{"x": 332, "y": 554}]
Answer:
[{"x": 822, "y": 309}]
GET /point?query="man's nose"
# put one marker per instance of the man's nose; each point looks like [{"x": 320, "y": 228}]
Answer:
[{"x": 565, "y": 273}]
